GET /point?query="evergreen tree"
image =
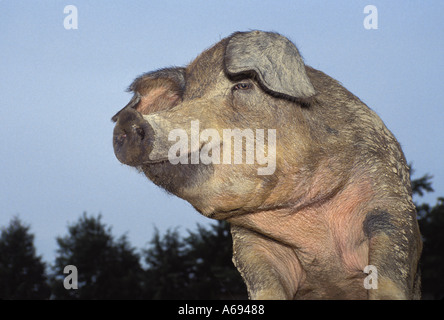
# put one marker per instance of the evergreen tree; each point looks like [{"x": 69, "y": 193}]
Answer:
[
  {"x": 431, "y": 224},
  {"x": 422, "y": 185},
  {"x": 214, "y": 274},
  {"x": 107, "y": 268},
  {"x": 22, "y": 272},
  {"x": 197, "y": 267},
  {"x": 167, "y": 276}
]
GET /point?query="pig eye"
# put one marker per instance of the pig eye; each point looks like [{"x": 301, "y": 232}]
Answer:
[{"x": 242, "y": 86}]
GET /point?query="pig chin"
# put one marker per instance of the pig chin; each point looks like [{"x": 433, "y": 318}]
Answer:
[{"x": 177, "y": 178}]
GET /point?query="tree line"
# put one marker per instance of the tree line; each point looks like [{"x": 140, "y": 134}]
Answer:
[
  {"x": 173, "y": 266},
  {"x": 196, "y": 266}
]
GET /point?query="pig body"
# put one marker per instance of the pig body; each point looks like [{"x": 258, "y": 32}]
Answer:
[{"x": 333, "y": 195}]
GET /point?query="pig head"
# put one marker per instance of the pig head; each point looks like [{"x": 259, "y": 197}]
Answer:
[{"x": 315, "y": 187}]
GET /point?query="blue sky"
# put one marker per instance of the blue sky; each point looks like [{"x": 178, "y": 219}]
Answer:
[{"x": 59, "y": 89}]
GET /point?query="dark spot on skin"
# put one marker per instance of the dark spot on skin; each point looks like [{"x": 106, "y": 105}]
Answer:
[
  {"x": 377, "y": 221},
  {"x": 332, "y": 131}
]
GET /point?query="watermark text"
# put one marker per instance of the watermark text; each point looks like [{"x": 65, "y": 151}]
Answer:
[{"x": 205, "y": 147}]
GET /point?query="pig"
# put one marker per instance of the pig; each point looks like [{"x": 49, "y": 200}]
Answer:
[{"x": 322, "y": 209}]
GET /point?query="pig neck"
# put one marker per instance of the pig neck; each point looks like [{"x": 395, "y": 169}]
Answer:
[{"x": 320, "y": 222}]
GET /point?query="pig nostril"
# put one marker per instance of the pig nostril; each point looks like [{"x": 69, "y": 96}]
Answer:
[
  {"x": 120, "y": 139},
  {"x": 139, "y": 131}
]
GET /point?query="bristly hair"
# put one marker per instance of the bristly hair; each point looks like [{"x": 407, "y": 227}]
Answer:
[{"x": 176, "y": 74}]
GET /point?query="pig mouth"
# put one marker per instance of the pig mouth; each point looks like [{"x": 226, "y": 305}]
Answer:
[
  {"x": 175, "y": 178},
  {"x": 192, "y": 157}
]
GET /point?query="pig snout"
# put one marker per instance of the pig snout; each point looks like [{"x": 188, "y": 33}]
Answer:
[{"x": 132, "y": 138}]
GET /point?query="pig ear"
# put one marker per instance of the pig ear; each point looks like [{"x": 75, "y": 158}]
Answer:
[
  {"x": 273, "y": 59},
  {"x": 159, "y": 90},
  {"x": 155, "y": 91}
]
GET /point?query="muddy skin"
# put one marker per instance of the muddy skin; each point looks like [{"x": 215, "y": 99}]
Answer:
[{"x": 337, "y": 196}]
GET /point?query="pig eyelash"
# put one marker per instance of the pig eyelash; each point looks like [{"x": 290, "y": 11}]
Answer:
[{"x": 242, "y": 86}]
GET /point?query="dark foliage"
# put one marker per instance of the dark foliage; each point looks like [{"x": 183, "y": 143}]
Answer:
[
  {"x": 22, "y": 272},
  {"x": 431, "y": 224},
  {"x": 196, "y": 267},
  {"x": 107, "y": 268}
]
